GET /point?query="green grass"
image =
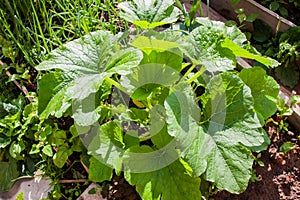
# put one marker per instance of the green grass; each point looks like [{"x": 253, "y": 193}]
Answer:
[{"x": 32, "y": 28}]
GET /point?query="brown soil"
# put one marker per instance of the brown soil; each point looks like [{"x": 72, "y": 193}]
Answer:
[{"x": 119, "y": 189}]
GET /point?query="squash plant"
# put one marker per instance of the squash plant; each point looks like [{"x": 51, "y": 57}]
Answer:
[{"x": 168, "y": 108}]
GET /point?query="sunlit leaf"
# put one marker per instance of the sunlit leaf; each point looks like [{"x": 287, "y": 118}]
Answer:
[
  {"x": 85, "y": 63},
  {"x": 155, "y": 12}
]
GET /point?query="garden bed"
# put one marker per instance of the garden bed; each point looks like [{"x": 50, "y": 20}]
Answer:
[{"x": 62, "y": 138}]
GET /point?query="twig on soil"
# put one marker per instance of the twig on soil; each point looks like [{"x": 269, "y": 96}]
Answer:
[
  {"x": 85, "y": 167},
  {"x": 22, "y": 88},
  {"x": 74, "y": 181}
]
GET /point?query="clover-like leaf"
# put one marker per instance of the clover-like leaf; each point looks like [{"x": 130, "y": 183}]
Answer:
[{"x": 61, "y": 156}]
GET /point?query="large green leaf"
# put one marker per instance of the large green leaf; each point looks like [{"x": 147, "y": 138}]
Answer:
[
  {"x": 8, "y": 172},
  {"x": 86, "y": 55},
  {"x": 183, "y": 116},
  {"x": 52, "y": 88},
  {"x": 105, "y": 143},
  {"x": 148, "y": 44},
  {"x": 169, "y": 35},
  {"x": 264, "y": 90},
  {"x": 159, "y": 52},
  {"x": 208, "y": 52},
  {"x": 141, "y": 83},
  {"x": 85, "y": 63},
  {"x": 227, "y": 102},
  {"x": 219, "y": 148},
  {"x": 172, "y": 182},
  {"x": 239, "y": 51},
  {"x": 229, "y": 165},
  {"x": 149, "y": 13},
  {"x": 206, "y": 45},
  {"x": 217, "y": 28},
  {"x": 172, "y": 58}
]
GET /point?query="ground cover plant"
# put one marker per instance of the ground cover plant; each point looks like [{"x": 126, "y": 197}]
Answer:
[{"x": 167, "y": 108}]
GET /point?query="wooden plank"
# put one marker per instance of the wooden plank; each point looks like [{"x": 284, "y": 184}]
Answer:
[{"x": 273, "y": 19}]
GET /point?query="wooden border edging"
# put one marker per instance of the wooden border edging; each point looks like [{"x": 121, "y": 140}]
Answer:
[
  {"x": 285, "y": 94},
  {"x": 273, "y": 19}
]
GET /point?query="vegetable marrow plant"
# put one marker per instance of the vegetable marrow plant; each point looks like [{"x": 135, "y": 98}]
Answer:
[{"x": 167, "y": 108}]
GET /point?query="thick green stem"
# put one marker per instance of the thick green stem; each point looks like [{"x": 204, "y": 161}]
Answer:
[
  {"x": 116, "y": 84},
  {"x": 189, "y": 71},
  {"x": 195, "y": 76}
]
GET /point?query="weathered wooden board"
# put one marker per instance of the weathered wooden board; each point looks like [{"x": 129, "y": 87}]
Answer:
[{"x": 225, "y": 9}]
